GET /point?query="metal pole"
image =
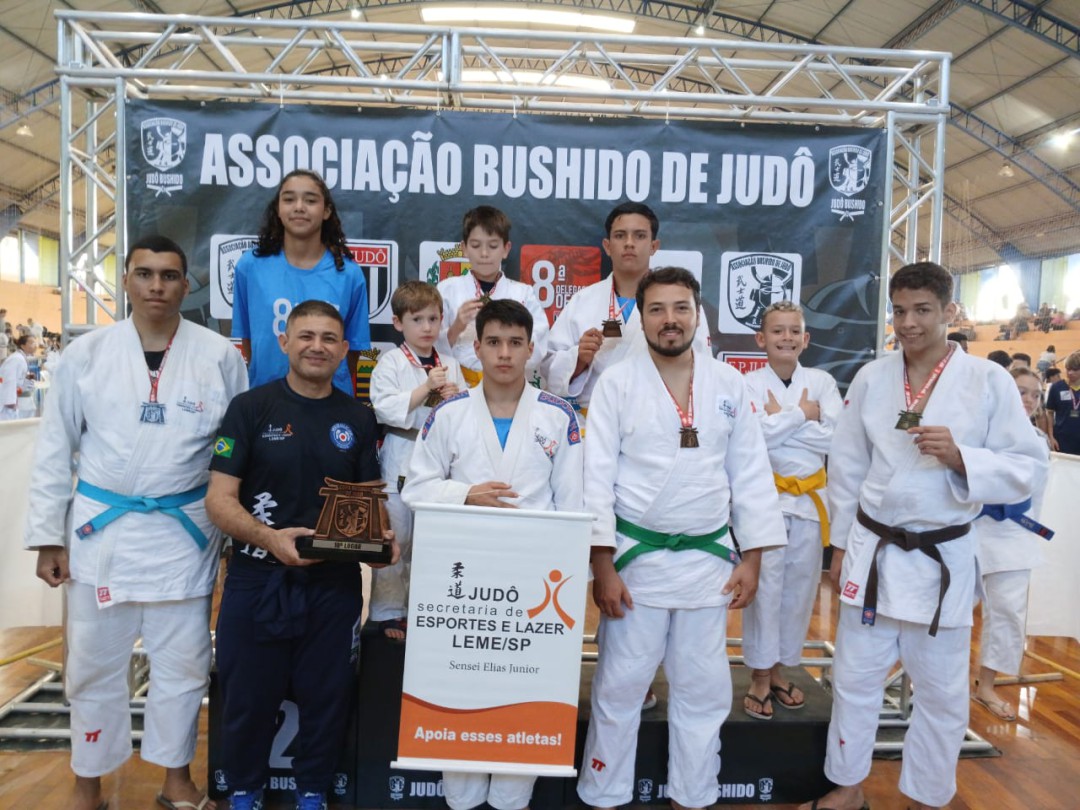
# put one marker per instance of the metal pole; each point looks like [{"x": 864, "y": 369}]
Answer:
[{"x": 120, "y": 199}]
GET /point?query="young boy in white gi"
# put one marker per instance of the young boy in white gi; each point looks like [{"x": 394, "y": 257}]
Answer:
[
  {"x": 485, "y": 240},
  {"x": 1010, "y": 546},
  {"x": 503, "y": 444},
  {"x": 601, "y": 324},
  {"x": 405, "y": 385},
  {"x": 797, "y": 408},
  {"x": 136, "y": 404},
  {"x": 674, "y": 456},
  {"x": 928, "y": 434}
]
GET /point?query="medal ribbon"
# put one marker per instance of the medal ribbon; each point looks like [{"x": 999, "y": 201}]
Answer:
[
  {"x": 480, "y": 290},
  {"x": 1075, "y": 399},
  {"x": 155, "y": 376},
  {"x": 911, "y": 403},
  {"x": 611, "y": 307},
  {"x": 412, "y": 358},
  {"x": 685, "y": 417}
]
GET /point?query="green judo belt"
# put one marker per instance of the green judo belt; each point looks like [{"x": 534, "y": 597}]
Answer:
[{"x": 648, "y": 540}]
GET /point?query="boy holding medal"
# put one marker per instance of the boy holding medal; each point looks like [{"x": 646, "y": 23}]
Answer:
[
  {"x": 405, "y": 385},
  {"x": 485, "y": 241},
  {"x": 133, "y": 410},
  {"x": 601, "y": 325},
  {"x": 928, "y": 434}
]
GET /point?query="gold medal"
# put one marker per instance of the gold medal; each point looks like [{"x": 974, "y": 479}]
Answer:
[
  {"x": 433, "y": 398},
  {"x": 612, "y": 328},
  {"x": 908, "y": 419}
]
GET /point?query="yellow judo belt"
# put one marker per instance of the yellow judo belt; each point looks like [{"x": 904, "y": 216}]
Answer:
[
  {"x": 791, "y": 485},
  {"x": 649, "y": 540}
]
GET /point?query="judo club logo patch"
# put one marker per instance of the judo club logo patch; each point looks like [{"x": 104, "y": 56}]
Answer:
[
  {"x": 342, "y": 436},
  {"x": 164, "y": 144},
  {"x": 750, "y": 282},
  {"x": 379, "y": 262},
  {"x": 397, "y": 787},
  {"x": 225, "y": 252},
  {"x": 849, "y": 174}
]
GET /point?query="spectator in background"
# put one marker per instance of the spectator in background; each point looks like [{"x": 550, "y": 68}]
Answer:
[
  {"x": 1064, "y": 402},
  {"x": 1000, "y": 357},
  {"x": 1020, "y": 360},
  {"x": 1051, "y": 376},
  {"x": 959, "y": 337},
  {"x": 36, "y": 329},
  {"x": 1047, "y": 359}
]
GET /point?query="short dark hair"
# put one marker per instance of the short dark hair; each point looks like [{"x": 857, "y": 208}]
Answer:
[
  {"x": 923, "y": 276},
  {"x": 668, "y": 275},
  {"x": 1053, "y": 371},
  {"x": 1022, "y": 356},
  {"x": 156, "y": 243},
  {"x": 505, "y": 311},
  {"x": 632, "y": 208},
  {"x": 959, "y": 337},
  {"x": 314, "y": 307},
  {"x": 22, "y": 340},
  {"x": 1000, "y": 357},
  {"x": 489, "y": 219}
]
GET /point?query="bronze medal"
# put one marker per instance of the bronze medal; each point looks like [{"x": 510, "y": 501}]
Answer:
[
  {"x": 688, "y": 437},
  {"x": 612, "y": 328},
  {"x": 485, "y": 299},
  {"x": 433, "y": 399},
  {"x": 908, "y": 419}
]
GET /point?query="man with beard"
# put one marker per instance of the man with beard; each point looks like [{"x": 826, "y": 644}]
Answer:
[{"x": 674, "y": 455}]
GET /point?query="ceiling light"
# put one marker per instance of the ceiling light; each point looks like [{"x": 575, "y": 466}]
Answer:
[
  {"x": 24, "y": 131},
  {"x": 1006, "y": 170},
  {"x": 355, "y": 13},
  {"x": 534, "y": 77},
  {"x": 526, "y": 16},
  {"x": 700, "y": 30}
]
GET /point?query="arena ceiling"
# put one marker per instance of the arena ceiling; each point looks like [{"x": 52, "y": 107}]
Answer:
[{"x": 1012, "y": 155}]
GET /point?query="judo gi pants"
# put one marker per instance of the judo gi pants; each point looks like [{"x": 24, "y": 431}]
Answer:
[
  {"x": 390, "y": 585},
  {"x": 775, "y": 624},
  {"x": 691, "y": 644},
  {"x": 464, "y": 791},
  {"x": 938, "y": 667},
  {"x": 311, "y": 661},
  {"x": 1004, "y": 620},
  {"x": 176, "y": 637}
]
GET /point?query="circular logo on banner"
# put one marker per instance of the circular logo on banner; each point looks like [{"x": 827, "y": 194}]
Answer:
[{"x": 342, "y": 436}]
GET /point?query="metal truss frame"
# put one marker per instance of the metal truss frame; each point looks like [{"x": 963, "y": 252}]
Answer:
[{"x": 106, "y": 58}]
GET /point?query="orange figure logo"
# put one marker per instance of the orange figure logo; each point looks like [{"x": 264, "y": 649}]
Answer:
[{"x": 553, "y": 598}]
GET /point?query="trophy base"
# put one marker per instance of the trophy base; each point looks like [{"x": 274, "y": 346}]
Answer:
[{"x": 344, "y": 550}]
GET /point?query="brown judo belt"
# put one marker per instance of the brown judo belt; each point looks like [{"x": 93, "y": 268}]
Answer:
[{"x": 926, "y": 542}]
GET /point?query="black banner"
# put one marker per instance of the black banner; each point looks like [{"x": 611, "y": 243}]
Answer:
[{"x": 758, "y": 212}]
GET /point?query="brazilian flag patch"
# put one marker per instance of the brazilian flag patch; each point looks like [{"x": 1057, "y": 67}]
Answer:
[{"x": 224, "y": 446}]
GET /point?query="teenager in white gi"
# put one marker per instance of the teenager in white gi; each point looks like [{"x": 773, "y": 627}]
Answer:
[
  {"x": 928, "y": 435},
  {"x": 485, "y": 241},
  {"x": 137, "y": 405},
  {"x": 578, "y": 350},
  {"x": 15, "y": 380},
  {"x": 1010, "y": 545},
  {"x": 797, "y": 408},
  {"x": 405, "y": 385},
  {"x": 503, "y": 444},
  {"x": 674, "y": 456}
]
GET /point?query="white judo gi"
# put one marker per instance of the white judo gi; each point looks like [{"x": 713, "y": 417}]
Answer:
[
  {"x": 874, "y": 464},
  {"x": 392, "y": 383},
  {"x": 588, "y": 309},
  {"x": 13, "y": 377},
  {"x": 542, "y": 463},
  {"x": 636, "y": 470},
  {"x": 775, "y": 624},
  {"x": 145, "y": 568},
  {"x": 456, "y": 290},
  {"x": 1007, "y": 553}
]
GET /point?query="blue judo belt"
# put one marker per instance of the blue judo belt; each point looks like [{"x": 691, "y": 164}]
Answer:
[
  {"x": 122, "y": 504},
  {"x": 1015, "y": 512}
]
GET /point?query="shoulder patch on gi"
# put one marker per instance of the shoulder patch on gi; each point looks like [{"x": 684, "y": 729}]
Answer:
[
  {"x": 431, "y": 416},
  {"x": 573, "y": 432}
]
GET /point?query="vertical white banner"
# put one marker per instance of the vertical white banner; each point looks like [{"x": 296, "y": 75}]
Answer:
[{"x": 493, "y": 661}]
